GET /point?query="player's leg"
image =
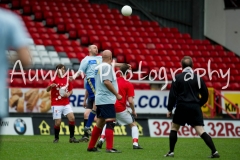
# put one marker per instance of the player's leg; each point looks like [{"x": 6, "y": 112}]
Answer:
[
  {"x": 110, "y": 119},
  {"x": 56, "y": 130},
  {"x": 179, "y": 118},
  {"x": 208, "y": 140},
  {"x": 102, "y": 139},
  {"x": 125, "y": 118},
  {"x": 197, "y": 123},
  {"x": 172, "y": 139},
  {"x": 95, "y": 134},
  {"x": 57, "y": 112},
  {"x": 90, "y": 119},
  {"x": 97, "y": 130},
  {"x": 90, "y": 86},
  {"x": 85, "y": 137},
  {"x": 135, "y": 135},
  {"x": 67, "y": 111}
]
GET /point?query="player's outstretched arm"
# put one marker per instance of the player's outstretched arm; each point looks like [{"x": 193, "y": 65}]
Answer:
[
  {"x": 76, "y": 75},
  {"x": 120, "y": 64},
  {"x": 110, "y": 87},
  {"x": 131, "y": 104}
]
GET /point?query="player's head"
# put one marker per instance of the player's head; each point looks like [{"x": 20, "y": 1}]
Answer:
[
  {"x": 107, "y": 56},
  {"x": 61, "y": 69},
  {"x": 124, "y": 69},
  {"x": 187, "y": 62},
  {"x": 93, "y": 50}
]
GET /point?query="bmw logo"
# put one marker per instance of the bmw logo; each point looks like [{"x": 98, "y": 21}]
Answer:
[{"x": 20, "y": 126}]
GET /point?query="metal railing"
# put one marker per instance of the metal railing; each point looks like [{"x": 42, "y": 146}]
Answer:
[{"x": 217, "y": 104}]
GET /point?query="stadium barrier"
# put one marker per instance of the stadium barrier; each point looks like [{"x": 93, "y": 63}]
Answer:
[
  {"x": 215, "y": 128},
  {"x": 44, "y": 126},
  {"x": 16, "y": 126}
]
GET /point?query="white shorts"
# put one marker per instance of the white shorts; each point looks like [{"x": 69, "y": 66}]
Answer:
[
  {"x": 124, "y": 117},
  {"x": 57, "y": 111}
]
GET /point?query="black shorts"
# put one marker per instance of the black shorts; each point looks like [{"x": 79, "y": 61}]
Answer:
[
  {"x": 90, "y": 102},
  {"x": 106, "y": 111},
  {"x": 188, "y": 113}
]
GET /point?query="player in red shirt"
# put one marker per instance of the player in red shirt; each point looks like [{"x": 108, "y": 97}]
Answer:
[
  {"x": 123, "y": 116},
  {"x": 61, "y": 89}
]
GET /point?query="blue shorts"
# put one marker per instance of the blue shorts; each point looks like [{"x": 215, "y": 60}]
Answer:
[
  {"x": 106, "y": 111},
  {"x": 90, "y": 87}
]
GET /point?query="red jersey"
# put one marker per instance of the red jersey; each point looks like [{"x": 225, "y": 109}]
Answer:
[
  {"x": 56, "y": 98},
  {"x": 125, "y": 89}
]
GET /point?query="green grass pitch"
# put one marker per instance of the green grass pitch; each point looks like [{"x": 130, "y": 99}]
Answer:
[{"x": 42, "y": 148}]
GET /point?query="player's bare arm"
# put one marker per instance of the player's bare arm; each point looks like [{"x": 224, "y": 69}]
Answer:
[
  {"x": 120, "y": 64},
  {"x": 76, "y": 75},
  {"x": 131, "y": 104},
  {"x": 169, "y": 114},
  {"x": 24, "y": 56},
  {"x": 50, "y": 87},
  {"x": 110, "y": 87},
  {"x": 85, "y": 99}
]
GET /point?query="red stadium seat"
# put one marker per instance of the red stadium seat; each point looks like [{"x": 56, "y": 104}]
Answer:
[
  {"x": 47, "y": 42},
  {"x": 61, "y": 28},
  {"x": 106, "y": 45},
  {"x": 72, "y": 34},
  {"x": 71, "y": 55},
  {"x": 120, "y": 59}
]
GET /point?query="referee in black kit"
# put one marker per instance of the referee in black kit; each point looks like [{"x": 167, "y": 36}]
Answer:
[{"x": 184, "y": 93}]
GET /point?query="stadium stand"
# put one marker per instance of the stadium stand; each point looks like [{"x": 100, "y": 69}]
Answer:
[{"x": 61, "y": 31}]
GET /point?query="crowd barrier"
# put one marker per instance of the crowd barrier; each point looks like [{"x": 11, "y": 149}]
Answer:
[{"x": 147, "y": 127}]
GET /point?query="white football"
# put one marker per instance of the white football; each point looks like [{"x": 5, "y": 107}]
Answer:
[
  {"x": 126, "y": 10},
  {"x": 62, "y": 91}
]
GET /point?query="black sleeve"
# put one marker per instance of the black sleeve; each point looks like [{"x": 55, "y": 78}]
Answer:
[
  {"x": 172, "y": 98},
  {"x": 204, "y": 93}
]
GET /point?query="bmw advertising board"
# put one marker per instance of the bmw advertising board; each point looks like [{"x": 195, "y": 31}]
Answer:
[{"x": 16, "y": 126}]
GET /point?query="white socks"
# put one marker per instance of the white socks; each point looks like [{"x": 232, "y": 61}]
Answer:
[
  {"x": 103, "y": 134},
  {"x": 135, "y": 134}
]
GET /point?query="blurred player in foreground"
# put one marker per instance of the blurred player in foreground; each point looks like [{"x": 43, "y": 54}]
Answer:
[
  {"x": 13, "y": 35},
  {"x": 61, "y": 89},
  {"x": 123, "y": 116},
  {"x": 106, "y": 95},
  {"x": 185, "y": 93}
]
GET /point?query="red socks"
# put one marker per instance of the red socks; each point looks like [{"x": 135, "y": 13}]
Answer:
[
  {"x": 71, "y": 125},
  {"x": 135, "y": 140},
  {"x": 109, "y": 138},
  {"x": 95, "y": 135}
]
